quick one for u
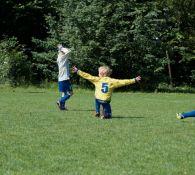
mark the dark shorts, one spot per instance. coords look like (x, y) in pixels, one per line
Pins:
(65, 86)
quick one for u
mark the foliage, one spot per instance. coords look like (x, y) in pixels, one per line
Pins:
(163, 87)
(44, 63)
(132, 37)
(135, 33)
(12, 59)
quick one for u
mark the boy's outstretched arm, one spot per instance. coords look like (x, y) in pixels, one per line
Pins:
(85, 75)
(119, 83)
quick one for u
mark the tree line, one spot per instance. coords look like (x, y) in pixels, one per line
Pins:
(151, 38)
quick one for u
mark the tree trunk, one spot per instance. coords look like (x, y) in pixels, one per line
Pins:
(169, 69)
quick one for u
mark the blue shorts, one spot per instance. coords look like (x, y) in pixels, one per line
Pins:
(65, 86)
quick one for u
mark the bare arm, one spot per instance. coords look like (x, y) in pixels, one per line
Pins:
(62, 49)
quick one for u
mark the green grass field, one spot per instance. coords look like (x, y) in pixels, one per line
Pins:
(143, 138)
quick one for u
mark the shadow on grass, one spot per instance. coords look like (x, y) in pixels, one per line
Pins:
(35, 92)
(184, 121)
(122, 117)
(81, 110)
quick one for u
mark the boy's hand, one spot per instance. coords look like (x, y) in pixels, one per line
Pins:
(59, 46)
(75, 69)
(138, 78)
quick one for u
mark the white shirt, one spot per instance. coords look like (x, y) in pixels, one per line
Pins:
(63, 64)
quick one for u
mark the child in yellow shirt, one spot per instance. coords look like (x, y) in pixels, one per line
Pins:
(104, 86)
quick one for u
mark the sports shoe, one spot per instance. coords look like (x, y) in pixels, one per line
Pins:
(108, 117)
(179, 116)
(105, 117)
(97, 114)
(60, 106)
(102, 117)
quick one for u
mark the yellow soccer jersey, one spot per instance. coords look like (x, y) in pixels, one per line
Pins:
(104, 86)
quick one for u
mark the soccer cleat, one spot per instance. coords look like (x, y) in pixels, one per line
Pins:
(60, 106)
(97, 114)
(102, 117)
(179, 116)
(106, 117)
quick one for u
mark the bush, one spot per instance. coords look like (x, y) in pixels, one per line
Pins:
(14, 66)
(163, 87)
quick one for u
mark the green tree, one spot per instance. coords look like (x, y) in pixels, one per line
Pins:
(181, 46)
(12, 59)
(151, 38)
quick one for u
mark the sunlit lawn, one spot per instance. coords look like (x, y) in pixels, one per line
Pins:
(143, 137)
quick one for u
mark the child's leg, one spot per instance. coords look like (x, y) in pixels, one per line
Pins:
(97, 107)
(188, 114)
(66, 91)
(107, 110)
(65, 96)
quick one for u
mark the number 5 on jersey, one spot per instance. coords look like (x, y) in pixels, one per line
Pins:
(104, 87)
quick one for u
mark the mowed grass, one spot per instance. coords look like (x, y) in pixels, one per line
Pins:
(144, 136)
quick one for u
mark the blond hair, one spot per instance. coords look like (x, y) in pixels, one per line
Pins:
(105, 70)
